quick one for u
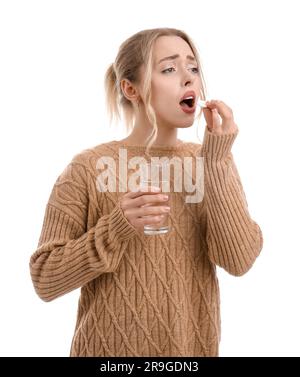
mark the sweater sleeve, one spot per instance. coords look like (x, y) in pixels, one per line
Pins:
(68, 256)
(234, 240)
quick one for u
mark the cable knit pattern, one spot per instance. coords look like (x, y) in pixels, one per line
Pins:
(145, 295)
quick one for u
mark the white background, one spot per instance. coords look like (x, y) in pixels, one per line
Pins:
(53, 58)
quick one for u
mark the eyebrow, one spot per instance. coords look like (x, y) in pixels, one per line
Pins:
(173, 57)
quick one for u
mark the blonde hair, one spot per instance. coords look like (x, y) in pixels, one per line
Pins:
(133, 53)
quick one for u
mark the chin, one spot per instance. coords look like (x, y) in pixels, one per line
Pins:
(173, 123)
(185, 125)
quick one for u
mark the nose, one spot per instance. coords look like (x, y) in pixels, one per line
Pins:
(187, 78)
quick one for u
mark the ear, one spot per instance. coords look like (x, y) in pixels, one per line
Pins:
(129, 90)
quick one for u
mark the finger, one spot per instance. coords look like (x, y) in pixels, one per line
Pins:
(224, 111)
(149, 211)
(148, 220)
(208, 117)
(216, 121)
(213, 120)
(142, 191)
(146, 200)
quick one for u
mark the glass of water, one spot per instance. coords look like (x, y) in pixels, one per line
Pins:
(157, 174)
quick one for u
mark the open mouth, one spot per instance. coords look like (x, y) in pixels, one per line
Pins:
(188, 103)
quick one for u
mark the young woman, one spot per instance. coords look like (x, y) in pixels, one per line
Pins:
(148, 295)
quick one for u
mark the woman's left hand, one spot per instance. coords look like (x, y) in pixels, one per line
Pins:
(212, 113)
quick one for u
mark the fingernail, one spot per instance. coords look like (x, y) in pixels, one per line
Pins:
(166, 197)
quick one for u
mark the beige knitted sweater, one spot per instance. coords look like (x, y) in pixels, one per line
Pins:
(145, 295)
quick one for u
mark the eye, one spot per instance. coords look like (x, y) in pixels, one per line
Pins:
(167, 70)
(194, 69)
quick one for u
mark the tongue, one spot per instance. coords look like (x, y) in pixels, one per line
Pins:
(184, 104)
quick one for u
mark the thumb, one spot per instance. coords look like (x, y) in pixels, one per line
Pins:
(208, 117)
(216, 121)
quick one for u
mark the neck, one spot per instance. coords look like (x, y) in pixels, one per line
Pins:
(142, 130)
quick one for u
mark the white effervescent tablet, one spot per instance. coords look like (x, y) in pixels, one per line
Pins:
(201, 103)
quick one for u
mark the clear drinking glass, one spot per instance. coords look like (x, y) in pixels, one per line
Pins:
(157, 174)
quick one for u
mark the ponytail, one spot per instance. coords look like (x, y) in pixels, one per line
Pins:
(112, 94)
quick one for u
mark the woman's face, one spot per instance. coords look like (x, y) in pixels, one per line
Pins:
(171, 79)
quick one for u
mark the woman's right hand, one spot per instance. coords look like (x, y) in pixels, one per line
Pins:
(135, 205)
